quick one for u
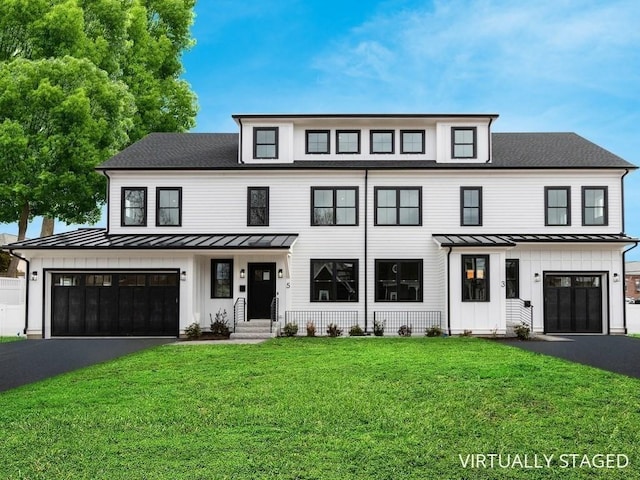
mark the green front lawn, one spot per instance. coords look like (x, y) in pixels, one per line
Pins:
(12, 339)
(320, 409)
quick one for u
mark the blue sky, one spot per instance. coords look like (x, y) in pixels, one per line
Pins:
(542, 66)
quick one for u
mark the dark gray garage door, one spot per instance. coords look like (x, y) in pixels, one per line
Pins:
(114, 304)
(572, 303)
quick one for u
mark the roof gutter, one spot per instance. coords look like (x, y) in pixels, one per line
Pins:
(26, 293)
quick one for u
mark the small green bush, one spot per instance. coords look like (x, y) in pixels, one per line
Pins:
(333, 330)
(356, 331)
(311, 329)
(434, 331)
(378, 328)
(404, 331)
(193, 331)
(220, 326)
(522, 332)
(290, 329)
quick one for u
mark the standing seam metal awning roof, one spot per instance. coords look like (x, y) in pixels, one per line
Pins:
(93, 238)
(511, 240)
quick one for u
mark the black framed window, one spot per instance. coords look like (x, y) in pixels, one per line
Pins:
(317, 141)
(475, 278)
(471, 206)
(512, 268)
(134, 207)
(557, 202)
(398, 280)
(382, 141)
(334, 280)
(265, 142)
(348, 141)
(463, 142)
(398, 206)
(412, 141)
(594, 206)
(334, 206)
(168, 206)
(221, 278)
(258, 206)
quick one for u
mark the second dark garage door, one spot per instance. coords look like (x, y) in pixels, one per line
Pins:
(572, 303)
(115, 304)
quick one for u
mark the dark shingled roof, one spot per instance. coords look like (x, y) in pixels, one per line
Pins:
(97, 238)
(219, 151)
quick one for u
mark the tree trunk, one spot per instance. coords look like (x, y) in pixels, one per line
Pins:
(47, 227)
(22, 232)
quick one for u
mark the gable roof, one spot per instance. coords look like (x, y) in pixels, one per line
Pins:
(219, 151)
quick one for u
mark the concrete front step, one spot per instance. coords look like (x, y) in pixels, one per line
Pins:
(254, 329)
(251, 335)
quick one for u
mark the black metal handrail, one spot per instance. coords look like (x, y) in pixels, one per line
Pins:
(275, 304)
(239, 310)
(321, 319)
(418, 321)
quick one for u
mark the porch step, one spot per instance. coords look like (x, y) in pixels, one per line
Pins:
(260, 328)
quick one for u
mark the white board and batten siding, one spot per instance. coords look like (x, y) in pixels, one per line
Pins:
(12, 306)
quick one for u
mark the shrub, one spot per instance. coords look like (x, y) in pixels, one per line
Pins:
(378, 328)
(466, 333)
(404, 331)
(356, 331)
(311, 329)
(290, 329)
(220, 326)
(522, 332)
(434, 331)
(193, 331)
(333, 330)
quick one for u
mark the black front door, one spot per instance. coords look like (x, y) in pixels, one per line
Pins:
(262, 289)
(573, 303)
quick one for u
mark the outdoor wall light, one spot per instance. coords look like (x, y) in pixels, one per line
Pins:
(616, 277)
(242, 273)
(34, 276)
(183, 276)
(280, 273)
(536, 277)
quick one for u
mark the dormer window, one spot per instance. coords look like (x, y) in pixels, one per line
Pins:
(382, 141)
(348, 141)
(265, 142)
(317, 141)
(463, 142)
(412, 141)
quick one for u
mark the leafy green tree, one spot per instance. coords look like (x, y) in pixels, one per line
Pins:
(136, 42)
(61, 118)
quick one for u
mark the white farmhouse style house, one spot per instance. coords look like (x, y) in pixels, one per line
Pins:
(407, 219)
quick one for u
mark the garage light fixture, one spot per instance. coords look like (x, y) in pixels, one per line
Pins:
(616, 277)
(183, 276)
(280, 273)
(536, 277)
(242, 273)
(34, 276)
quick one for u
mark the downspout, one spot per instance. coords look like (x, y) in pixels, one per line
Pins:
(624, 298)
(489, 139)
(108, 200)
(366, 249)
(26, 293)
(449, 291)
(240, 142)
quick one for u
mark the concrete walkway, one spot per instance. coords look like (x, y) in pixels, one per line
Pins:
(615, 353)
(29, 361)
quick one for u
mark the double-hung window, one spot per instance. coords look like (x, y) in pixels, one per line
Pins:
(471, 206)
(168, 206)
(258, 206)
(412, 141)
(398, 280)
(317, 141)
(334, 280)
(134, 207)
(348, 141)
(382, 141)
(463, 142)
(475, 278)
(512, 267)
(221, 278)
(334, 206)
(557, 205)
(265, 142)
(398, 206)
(594, 206)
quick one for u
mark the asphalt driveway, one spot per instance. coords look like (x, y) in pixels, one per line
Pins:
(29, 361)
(615, 353)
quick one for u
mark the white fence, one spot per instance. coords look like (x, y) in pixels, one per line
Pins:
(12, 305)
(633, 318)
